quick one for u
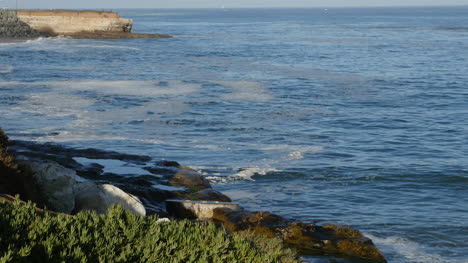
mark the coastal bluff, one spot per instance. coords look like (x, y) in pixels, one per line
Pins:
(71, 23)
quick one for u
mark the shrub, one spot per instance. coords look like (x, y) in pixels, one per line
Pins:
(27, 235)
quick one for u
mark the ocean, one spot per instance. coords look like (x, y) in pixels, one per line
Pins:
(352, 116)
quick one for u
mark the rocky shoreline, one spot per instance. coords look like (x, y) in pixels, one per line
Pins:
(54, 176)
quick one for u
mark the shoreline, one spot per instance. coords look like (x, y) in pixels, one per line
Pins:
(184, 194)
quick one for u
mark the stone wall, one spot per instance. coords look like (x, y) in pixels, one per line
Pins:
(12, 27)
(69, 21)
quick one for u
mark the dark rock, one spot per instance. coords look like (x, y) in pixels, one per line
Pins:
(165, 171)
(52, 151)
(208, 195)
(308, 238)
(168, 163)
(259, 223)
(189, 178)
(12, 27)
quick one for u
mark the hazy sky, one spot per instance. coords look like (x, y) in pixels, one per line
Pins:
(110, 4)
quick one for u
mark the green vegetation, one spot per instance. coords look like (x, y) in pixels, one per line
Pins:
(27, 235)
(6, 160)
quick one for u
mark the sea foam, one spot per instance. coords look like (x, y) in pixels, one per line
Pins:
(407, 250)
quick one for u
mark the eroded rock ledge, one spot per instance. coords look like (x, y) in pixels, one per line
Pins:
(72, 23)
(52, 175)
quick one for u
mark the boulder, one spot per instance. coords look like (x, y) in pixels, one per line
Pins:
(99, 198)
(189, 178)
(55, 184)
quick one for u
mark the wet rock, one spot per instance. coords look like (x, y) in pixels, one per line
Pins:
(60, 153)
(100, 198)
(308, 238)
(164, 171)
(55, 183)
(166, 163)
(208, 195)
(196, 209)
(258, 222)
(189, 178)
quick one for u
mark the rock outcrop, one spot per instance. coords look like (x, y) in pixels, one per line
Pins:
(69, 21)
(308, 238)
(190, 178)
(12, 27)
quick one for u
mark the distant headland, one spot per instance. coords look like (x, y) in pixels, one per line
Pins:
(71, 23)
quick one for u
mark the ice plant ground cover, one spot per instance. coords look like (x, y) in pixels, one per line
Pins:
(119, 236)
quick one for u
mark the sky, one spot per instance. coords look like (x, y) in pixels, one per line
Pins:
(111, 4)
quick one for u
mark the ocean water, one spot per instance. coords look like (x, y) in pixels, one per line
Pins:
(349, 116)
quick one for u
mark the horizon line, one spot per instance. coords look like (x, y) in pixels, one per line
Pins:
(242, 7)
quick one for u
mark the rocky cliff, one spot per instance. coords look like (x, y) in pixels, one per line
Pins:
(68, 21)
(11, 26)
(71, 23)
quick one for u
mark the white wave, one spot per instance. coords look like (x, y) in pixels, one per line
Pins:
(295, 152)
(247, 173)
(408, 250)
(301, 148)
(39, 39)
(5, 69)
(168, 188)
(51, 104)
(295, 156)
